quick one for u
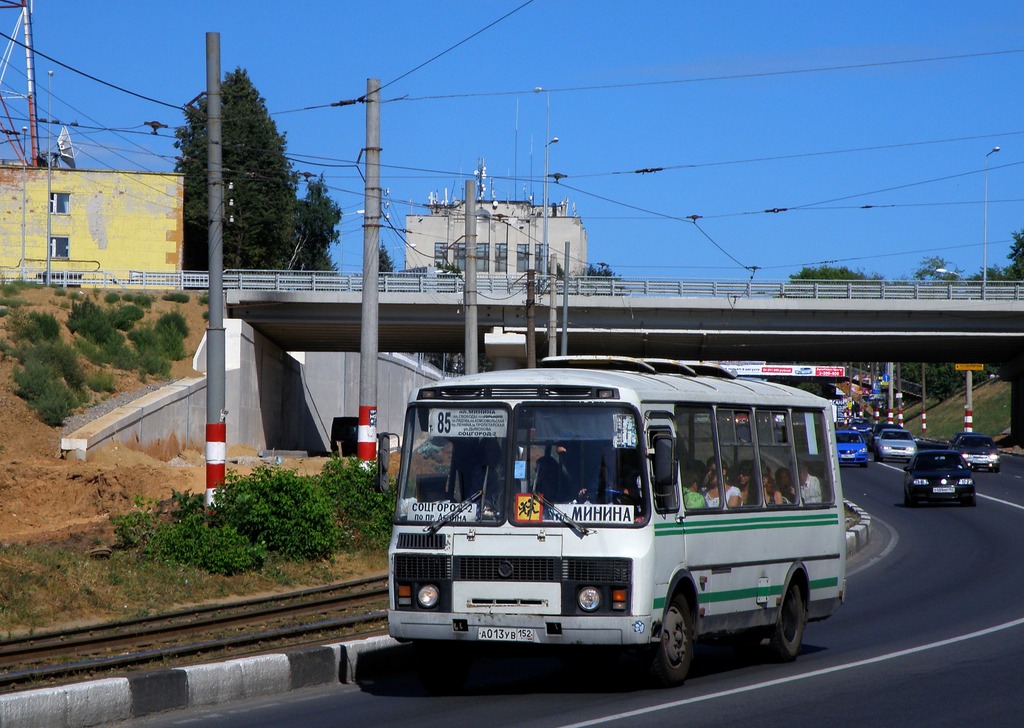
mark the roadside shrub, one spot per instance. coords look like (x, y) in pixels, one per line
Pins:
(44, 392)
(112, 297)
(34, 326)
(192, 539)
(57, 358)
(365, 515)
(135, 528)
(124, 317)
(3, 311)
(89, 320)
(289, 514)
(143, 300)
(176, 297)
(101, 381)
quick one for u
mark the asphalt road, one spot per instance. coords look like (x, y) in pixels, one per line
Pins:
(932, 634)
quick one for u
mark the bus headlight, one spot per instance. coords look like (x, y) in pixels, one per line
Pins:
(589, 599)
(427, 596)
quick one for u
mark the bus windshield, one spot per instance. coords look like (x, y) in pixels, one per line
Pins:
(581, 463)
(560, 465)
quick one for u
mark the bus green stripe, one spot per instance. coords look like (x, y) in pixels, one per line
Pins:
(748, 594)
(744, 524)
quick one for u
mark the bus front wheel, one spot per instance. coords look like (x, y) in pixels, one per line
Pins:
(789, 628)
(674, 652)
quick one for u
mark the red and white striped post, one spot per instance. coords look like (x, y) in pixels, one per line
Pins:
(216, 455)
(924, 422)
(366, 447)
(968, 420)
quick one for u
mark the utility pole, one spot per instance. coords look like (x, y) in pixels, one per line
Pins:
(924, 404)
(469, 293)
(366, 448)
(531, 328)
(552, 305)
(216, 415)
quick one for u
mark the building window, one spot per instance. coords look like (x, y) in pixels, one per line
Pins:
(501, 257)
(483, 257)
(522, 257)
(460, 256)
(60, 247)
(440, 255)
(60, 203)
(541, 253)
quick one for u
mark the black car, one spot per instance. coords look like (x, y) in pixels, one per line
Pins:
(938, 475)
(860, 424)
(875, 429)
(979, 450)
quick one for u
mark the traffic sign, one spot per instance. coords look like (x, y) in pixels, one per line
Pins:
(969, 367)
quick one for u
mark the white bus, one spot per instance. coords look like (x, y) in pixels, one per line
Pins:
(612, 503)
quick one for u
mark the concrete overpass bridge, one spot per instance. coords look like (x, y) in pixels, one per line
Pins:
(929, 321)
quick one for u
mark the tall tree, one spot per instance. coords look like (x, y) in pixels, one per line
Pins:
(830, 273)
(1015, 271)
(260, 185)
(316, 229)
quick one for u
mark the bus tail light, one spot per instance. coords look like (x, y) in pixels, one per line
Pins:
(619, 599)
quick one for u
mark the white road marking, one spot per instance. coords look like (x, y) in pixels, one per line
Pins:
(805, 676)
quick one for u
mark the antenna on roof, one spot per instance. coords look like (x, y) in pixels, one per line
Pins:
(65, 149)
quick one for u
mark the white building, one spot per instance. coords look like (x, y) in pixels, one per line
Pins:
(509, 235)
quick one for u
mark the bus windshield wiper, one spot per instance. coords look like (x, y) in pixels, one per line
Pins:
(449, 517)
(563, 516)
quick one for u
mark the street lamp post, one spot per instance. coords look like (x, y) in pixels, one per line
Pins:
(49, 171)
(544, 237)
(24, 196)
(984, 243)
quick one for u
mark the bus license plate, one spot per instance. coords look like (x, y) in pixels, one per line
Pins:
(505, 634)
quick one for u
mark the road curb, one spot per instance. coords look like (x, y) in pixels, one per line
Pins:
(110, 700)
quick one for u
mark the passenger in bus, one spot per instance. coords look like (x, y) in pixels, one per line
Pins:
(785, 486)
(711, 486)
(772, 496)
(692, 497)
(547, 482)
(746, 486)
(810, 486)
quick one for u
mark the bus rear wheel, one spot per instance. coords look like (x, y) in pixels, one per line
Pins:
(789, 628)
(671, 660)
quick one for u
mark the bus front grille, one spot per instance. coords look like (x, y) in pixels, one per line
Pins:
(506, 568)
(422, 566)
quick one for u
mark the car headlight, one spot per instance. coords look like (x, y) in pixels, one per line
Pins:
(965, 481)
(920, 481)
(589, 598)
(427, 596)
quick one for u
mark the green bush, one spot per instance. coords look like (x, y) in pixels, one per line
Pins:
(101, 381)
(136, 528)
(48, 395)
(216, 549)
(90, 321)
(365, 514)
(112, 297)
(124, 317)
(143, 300)
(34, 326)
(289, 514)
(58, 358)
(177, 297)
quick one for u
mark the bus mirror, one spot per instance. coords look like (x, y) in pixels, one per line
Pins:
(383, 480)
(665, 473)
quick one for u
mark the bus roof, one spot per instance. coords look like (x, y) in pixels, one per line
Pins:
(646, 382)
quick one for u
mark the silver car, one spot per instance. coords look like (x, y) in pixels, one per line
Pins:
(894, 444)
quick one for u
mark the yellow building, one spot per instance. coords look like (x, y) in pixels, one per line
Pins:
(102, 223)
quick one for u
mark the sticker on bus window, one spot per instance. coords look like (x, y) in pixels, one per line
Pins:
(431, 511)
(625, 430)
(528, 508)
(468, 422)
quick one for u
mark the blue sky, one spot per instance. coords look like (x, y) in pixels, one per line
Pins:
(868, 122)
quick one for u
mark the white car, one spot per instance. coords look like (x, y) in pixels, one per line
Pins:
(894, 444)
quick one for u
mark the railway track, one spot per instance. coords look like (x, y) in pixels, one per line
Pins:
(254, 626)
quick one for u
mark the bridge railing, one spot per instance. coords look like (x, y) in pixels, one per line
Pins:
(509, 285)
